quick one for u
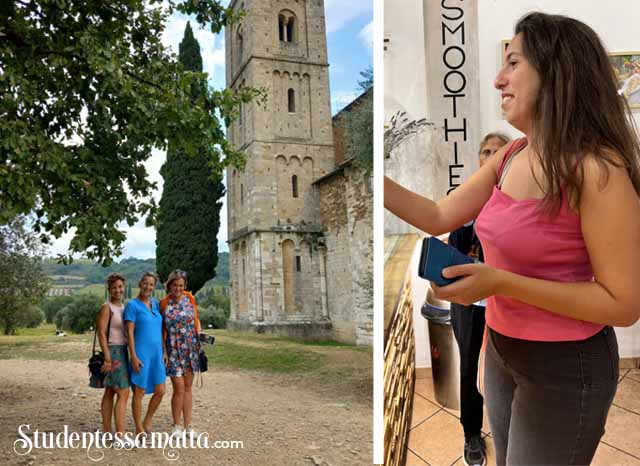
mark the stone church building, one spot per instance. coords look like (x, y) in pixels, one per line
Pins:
(299, 215)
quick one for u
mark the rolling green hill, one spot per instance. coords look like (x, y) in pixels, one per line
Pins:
(85, 276)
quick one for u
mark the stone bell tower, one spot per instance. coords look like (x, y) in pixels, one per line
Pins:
(278, 256)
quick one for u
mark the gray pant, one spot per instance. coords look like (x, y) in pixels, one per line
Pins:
(548, 401)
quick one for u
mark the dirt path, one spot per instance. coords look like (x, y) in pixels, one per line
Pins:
(280, 419)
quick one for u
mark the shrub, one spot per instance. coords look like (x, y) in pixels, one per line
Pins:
(59, 317)
(80, 314)
(216, 300)
(215, 316)
(31, 317)
(52, 305)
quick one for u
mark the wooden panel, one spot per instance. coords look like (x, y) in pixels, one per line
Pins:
(398, 380)
(398, 250)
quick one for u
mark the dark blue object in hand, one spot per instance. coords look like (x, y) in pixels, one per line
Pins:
(435, 257)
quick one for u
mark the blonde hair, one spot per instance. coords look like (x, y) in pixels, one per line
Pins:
(177, 274)
(148, 274)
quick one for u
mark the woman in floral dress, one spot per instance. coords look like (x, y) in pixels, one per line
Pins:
(181, 329)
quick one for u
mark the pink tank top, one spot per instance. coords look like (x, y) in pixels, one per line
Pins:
(516, 237)
(117, 331)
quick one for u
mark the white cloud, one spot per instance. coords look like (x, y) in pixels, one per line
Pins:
(366, 35)
(341, 99)
(339, 13)
(140, 242)
(61, 245)
(211, 45)
(153, 166)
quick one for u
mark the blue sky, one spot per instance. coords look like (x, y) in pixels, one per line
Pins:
(349, 27)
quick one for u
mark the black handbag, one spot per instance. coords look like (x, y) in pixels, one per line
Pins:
(96, 361)
(202, 357)
(203, 361)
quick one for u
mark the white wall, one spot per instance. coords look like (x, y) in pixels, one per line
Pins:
(615, 21)
(404, 60)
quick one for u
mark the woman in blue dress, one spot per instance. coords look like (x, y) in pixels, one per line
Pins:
(144, 329)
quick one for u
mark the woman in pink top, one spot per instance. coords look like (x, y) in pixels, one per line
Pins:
(113, 342)
(558, 217)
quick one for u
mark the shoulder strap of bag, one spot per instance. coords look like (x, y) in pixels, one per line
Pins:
(200, 382)
(195, 311)
(95, 332)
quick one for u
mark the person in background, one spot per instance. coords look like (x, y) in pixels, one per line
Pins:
(558, 215)
(180, 336)
(113, 342)
(144, 329)
(468, 327)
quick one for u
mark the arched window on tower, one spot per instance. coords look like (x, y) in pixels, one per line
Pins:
(290, 28)
(294, 185)
(291, 99)
(282, 27)
(287, 26)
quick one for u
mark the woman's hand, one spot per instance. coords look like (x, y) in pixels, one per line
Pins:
(479, 281)
(165, 358)
(106, 367)
(136, 364)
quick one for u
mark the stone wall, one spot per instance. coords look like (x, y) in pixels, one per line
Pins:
(261, 195)
(278, 276)
(346, 205)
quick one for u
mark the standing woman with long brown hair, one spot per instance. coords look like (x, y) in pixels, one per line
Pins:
(558, 217)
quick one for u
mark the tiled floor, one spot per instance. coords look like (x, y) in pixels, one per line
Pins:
(436, 437)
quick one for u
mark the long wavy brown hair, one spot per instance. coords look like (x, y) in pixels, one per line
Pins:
(578, 110)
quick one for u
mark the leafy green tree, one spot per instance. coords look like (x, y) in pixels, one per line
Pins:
(360, 125)
(32, 316)
(80, 314)
(59, 317)
(87, 90)
(189, 215)
(51, 305)
(367, 79)
(24, 283)
(221, 301)
(214, 316)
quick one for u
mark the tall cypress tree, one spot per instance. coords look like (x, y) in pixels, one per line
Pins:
(189, 212)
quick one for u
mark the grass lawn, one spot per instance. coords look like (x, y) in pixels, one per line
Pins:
(233, 350)
(43, 343)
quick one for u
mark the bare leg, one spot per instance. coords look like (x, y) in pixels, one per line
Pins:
(136, 407)
(158, 393)
(106, 407)
(121, 409)
(177, 399)
(187, 404)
